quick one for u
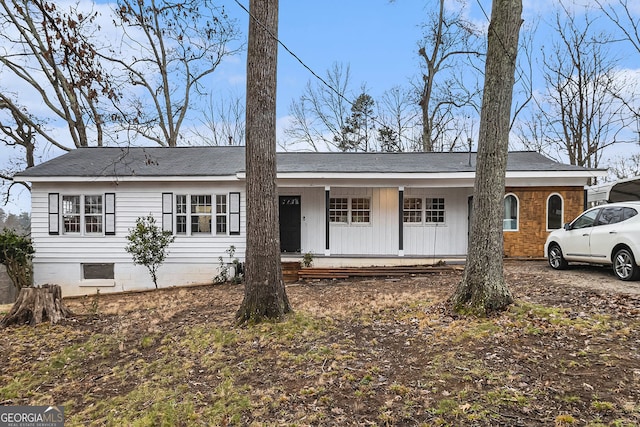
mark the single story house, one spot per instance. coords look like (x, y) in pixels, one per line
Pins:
(344, 208)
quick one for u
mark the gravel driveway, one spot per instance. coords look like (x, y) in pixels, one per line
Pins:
(586, 276)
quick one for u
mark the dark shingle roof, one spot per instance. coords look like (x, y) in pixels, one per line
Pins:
(227, 161)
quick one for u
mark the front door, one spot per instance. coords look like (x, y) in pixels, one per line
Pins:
(290, 224)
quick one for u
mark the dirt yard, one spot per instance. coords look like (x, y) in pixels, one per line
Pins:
(356, 352)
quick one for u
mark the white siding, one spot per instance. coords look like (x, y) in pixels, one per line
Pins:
(448, 239)
(191, 259)
(379, 236)
(195, 259)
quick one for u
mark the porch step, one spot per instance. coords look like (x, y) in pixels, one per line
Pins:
(290, 271)
(346, 272)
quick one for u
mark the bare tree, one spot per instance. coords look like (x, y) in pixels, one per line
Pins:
(450, 44)
(223, 122)
(398, 119)
(53, 83)
(483, 289)
(582, 112)
(319, 115)
(176, 45)
(18, 132)
(264, 292)
(52, 55)
(627, 23)
(624, 166)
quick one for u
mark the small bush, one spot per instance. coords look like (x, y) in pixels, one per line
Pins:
(148, 245)
(16, 253)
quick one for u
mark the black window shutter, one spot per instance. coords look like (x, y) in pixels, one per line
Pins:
(167, 212)
(110, 214)
(54, 213)
(234, 213)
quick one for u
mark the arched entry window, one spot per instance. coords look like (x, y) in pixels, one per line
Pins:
(510, 220)
(554, 212)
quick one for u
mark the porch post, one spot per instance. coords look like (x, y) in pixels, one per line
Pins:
(327, 192)
(400, 221)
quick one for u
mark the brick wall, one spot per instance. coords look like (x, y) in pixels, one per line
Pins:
(532, 232)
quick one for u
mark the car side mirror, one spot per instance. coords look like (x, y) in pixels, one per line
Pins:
(567, 226)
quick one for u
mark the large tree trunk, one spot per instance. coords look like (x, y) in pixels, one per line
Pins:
(264, 291)
(37, 305)
(483, 289)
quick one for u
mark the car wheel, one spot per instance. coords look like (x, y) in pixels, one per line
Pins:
(556, 260)
(624, 265)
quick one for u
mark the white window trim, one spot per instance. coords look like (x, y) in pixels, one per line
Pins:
(511, 230)
(433, 223)
(547, 211)
(423, 222)
(349, 222)
(415, 223)
(83, 215)
(213, 214)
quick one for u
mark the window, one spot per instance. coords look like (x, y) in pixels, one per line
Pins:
(221, 214)
(97, 271)
(510, 219)
(200, 214)
(412, 210)
(88, 214)
(181, 214)
(629, 213)
(355, 210)
(71, 214)
(93, 214)
(611, 216)
(586, 219)
(554, 212)
(434, 210)
(339, 209)
(360, 210)
(195, 214)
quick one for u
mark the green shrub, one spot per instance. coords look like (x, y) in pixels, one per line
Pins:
(16, 253)
(148, 245)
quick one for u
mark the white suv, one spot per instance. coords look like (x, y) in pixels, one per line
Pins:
(606, 234)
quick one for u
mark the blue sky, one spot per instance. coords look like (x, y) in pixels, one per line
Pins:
(377, 39)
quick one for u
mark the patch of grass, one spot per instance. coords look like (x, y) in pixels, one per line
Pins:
(414, 363)
(505, 396)
(571, 399)
(602, 406)
(399, 389)
(563, 420)
(147, 341)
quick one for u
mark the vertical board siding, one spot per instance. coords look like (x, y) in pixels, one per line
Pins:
(312, 217)
(380, 236)
(438, 239)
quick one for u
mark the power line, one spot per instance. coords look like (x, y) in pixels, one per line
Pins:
(290, 52)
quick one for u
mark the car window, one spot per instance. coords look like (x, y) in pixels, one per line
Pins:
(610, 216)
(629, 213)
(586, 219)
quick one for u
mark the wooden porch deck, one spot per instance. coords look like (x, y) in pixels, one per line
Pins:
(292, 271)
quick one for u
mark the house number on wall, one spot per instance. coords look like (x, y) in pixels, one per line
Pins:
(293, 201)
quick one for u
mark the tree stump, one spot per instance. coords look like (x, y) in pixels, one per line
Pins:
(36, 305)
